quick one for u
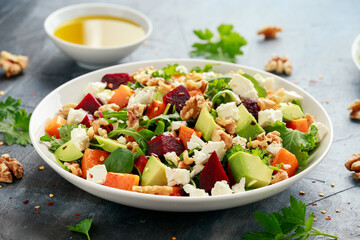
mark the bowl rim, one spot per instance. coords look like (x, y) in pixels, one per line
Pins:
(108, 5)
(159, 198)
(355, 53)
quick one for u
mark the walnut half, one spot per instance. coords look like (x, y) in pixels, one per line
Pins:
(10, 165)
(355, 109)
(353, 164)
(193, 107)
(269, 31)
(279, 65)
(13, 64)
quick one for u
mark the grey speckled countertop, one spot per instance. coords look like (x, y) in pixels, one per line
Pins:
(317, 37)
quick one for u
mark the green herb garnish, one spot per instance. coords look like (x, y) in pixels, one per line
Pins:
(82, 227)
(120, 161)
(65, 136)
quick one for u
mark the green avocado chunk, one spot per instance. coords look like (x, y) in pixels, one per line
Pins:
(154, 173)
(206, 123)
(68, 152)
(246, 126)
(249, 166)
(109, 145)
(291, 112)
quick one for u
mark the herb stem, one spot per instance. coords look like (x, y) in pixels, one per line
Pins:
(317, 232)
(167, 108)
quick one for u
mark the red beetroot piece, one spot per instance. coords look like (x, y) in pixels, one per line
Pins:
(89, 104)
(87, 120)
(178, 97)
(252, 106)
(163, 144)
(140, 162)
(212, 172)
(231, 177)
(113, 81)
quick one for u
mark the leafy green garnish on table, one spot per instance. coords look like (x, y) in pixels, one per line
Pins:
(225, 47)
(289, 223)
(14, 122)
(82, 227)
(298, 143)
(65, 136)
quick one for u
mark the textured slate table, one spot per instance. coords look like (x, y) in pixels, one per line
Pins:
(317, 37)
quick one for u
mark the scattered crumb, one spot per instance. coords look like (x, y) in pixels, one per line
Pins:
(51, 233)
(332, 185)
(49, 204)
(26, 202)
(313, 181)
(33, 94)
(10, 197)
(338, 211)
(315, 219)
(37, 207)
(51, 195)
(323, 211)
(2, 93)
(328, 218)
(321, 194)
(173, 238)
(38, 212)
(54, 185)
(348, 203)
(320, 76)
(146, 43)
(312, 81)
(294, 81)
(41, 168)
(314, 204)
(1, 143)
(0, 186)
(269, 32)
(77, 214)
(327, 100)
(302, 192)
(157, 53)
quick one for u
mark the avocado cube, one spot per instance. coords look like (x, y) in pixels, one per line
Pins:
(206, 123)
(68, 152)
(109, 145)
(246, 126)
(154, 173)
(291, 112)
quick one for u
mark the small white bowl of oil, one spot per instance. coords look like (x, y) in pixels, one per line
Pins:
(96, 35)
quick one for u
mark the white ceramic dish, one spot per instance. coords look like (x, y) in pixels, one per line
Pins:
(92, 57)
(70, 92)
(355, 51)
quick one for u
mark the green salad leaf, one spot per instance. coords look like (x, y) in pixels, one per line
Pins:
(297, 102)
(120, 161)
(217, 85)
(167, 72)
(141, 137)
(82, 227)
(225, 97)
(260, 89)
(298, 143)
(65, 136)
(207, 68)
(226, 48)
(160, 128)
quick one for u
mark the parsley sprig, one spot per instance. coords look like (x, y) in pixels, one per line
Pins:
(289, 223)
(14, 122)
(225, 48)
(82, 227)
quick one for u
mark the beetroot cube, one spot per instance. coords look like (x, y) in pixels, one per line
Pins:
(89, 104)
(163, 144)
(113, 81)
(212, 172)
(178, 97)
(87, 120)
(251, 105)
(140, 162)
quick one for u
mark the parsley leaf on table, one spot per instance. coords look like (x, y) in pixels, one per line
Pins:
(82, 227)
(289, 223)
(14, 122)
(226, 48)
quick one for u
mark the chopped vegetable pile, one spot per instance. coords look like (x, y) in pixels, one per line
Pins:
(181, 132)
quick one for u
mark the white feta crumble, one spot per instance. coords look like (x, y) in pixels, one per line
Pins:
(167, 134)
(243, 87)
(196, 170)
(122, 140)
(195, 142)
(211, 146)
(221, 188)
(208, 75)
(286, 166)
(95, 87)
(292, 95)
(195, 192)
(181, 69)
(274, 148)
(239, 141)
(322, 130)
(141, 96)
(267, 83)
(269, 117)
(76, 116)
(177, 124)
(228, 110)
(80, 138)
(97, 174)
(200, 157)
(239, 187)
(172, 157)
(104, 96)
(177, 176)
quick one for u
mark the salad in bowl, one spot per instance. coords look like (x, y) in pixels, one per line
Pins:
(184, 132)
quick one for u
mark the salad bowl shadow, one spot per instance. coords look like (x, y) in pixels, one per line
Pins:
(69, 92)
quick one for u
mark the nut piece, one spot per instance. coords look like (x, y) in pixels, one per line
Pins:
(111, 106)
(353, 164)
(5, 174)
(196, 85)
(10, 165)
(265, 103)
(279, 65)
(263, 141)
(64, 111)
(157, 190)
(186, 159)
(219, 135)
(228, 123)
(355, 109)
(193, 107)
(13, 64)
(277, 96)
(279, 176)
(74, 168)
(134, 113)
(132, 146)
(183, 165)
(309, 118)
(270, 31)
(96, 128)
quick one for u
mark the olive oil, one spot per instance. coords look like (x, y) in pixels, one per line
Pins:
(100, 31)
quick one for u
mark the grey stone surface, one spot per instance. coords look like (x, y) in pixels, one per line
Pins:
(317, 37)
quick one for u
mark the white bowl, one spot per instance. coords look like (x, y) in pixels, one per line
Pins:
(69, 92)
(355, 51)
(95, 57)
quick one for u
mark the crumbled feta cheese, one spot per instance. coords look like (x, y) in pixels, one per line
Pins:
(219, 147)
(181, 69)
(95, 87)
(208, 75)
(196, 169)
(239, 141)
(172, 157)
(221, 188)
(122, 140)
(177, 124)
(195, 142)
(292, 95)
(97, 174)
(322, 130)
(286, 166)
(177, 176)
(200, 157)
(141, 96)
(267, 83)
(195, 192)
(80, 138)
(228, 110)
(75, 116)
(274, 148)
(243, 87)
(239, 187)
(269, 117)
(104, 96)
(168, 134)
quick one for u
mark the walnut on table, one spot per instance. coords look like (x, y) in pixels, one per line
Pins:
(269, 32)
(10, 165)
(355, 109)
(193, 107)
(353, 164)
(279, 65)
(13, 64)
